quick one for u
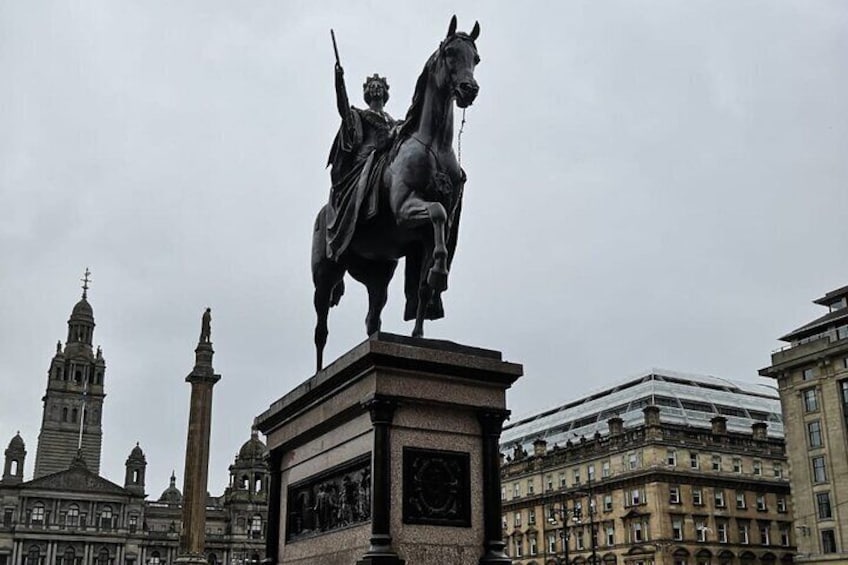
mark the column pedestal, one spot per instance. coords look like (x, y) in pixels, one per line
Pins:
(390, 456)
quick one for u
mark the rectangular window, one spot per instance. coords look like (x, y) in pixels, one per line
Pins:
(810, 400)
(761, 502)
(740, 499)
(674, 495)
(576, 477)
(578, 539)
(700, 530)
(814, 435)
(843, 387)
(633, 461)
(503, 493)
(590, 472)
(828, 541)
(530, 489)
(605, 469)
(549, 482)
(531, 516)
(721, 528)
(697, 496)
(743, 533)
(737, 465)
(764, 534)
(562, 480)
(784, 536)
(808, 374)
(8, 513)
(610, 535)
(533, 545)
(716, 462)
(778, 471)
(671, 457)
(518, 547)
(694, 461)
(607, 503)
(516, 519)
(677, 529)
(635, 497)
(823, 504)
(758, 467)
(516, 490)
(719, 498)
(781, 503)
(552, 543)
(637, 532)
(819, 471)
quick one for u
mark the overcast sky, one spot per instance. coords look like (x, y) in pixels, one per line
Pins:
(652, 183)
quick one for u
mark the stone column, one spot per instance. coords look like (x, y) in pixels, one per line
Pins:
(380, 551)
(196, 474)
(272, 536)
(491, 423)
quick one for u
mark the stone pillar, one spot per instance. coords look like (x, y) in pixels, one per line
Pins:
(491, 423)
(196, 474)
(272, 536)
(380, 551)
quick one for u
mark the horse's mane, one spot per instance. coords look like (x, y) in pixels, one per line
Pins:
(413, 114)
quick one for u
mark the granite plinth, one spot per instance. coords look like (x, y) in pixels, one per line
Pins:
(388, 398)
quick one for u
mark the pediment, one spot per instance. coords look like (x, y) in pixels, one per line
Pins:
(76, 479)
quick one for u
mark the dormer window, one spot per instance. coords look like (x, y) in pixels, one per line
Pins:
(839, 304)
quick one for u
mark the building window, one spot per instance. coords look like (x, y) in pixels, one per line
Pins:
(810, 399)
(155, 558)
(549, 483)
(677, 529)
(716, 462)
(576, 476)
(8, 516)
(743, 533)
(843, 387)
(814, 436)
(635, 497)
(516, 490)
(578, 539)
(72, 517)
(740, 499)
(607, 503)
(722, 531)
(33, 556)
(819, 470)
(674, 495)
(737, 465)
(823, 504)
(778, 471)
(610, 534)
(719, 498)
(761, 502)
(37, 518)
(552, 543)
(784, 536)
(671, 457)
(700, 530)
(503, 523)
(590, 472)
(503, 493)
(828, 541)
(530, 489)
(132, 523)
(516, 520)
(256, 527)
(781, 503)
(562, 480)
(697, 496)
(518, 547)
(103, 557)
(637, 532)
(106, 518)
(758, 467)
(764, 534)
(694, 462)
(808, 374)
(605, 469)
(633, 461)
(531, 516)
(532, 545)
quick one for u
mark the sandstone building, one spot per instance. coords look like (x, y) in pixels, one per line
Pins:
(812, 377)
(665, 468)
(67, 514)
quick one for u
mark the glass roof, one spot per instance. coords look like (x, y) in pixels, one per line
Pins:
(683, 399)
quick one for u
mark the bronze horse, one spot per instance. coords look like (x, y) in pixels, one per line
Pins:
(420, 199)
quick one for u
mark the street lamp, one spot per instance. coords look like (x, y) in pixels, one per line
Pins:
(562, 513)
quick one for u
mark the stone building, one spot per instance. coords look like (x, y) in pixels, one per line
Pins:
(664, 468)
(67, 514)
(812, 376)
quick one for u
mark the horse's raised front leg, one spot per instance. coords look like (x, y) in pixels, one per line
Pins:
(415, 212)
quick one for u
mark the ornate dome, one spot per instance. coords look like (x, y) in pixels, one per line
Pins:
(83, 309)
(136, 455)
(253, 448)
(172, 494)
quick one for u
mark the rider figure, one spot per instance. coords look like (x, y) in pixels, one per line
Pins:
(362, 140)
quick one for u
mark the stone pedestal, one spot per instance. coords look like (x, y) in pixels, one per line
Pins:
(390, 456)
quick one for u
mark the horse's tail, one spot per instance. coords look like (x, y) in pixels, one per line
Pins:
(324, 269)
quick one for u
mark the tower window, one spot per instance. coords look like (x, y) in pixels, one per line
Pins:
(77, 376)
(135, 476)
(65, 414)
(74, 415)
(72, 517)
(14, 467)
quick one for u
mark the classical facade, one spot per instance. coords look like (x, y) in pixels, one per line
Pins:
(812, 376)
(665, 468)
(67, 514)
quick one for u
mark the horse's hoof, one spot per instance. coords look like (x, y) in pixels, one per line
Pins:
(437, 280)
(418, 332)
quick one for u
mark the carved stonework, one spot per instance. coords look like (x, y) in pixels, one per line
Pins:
(80, 480)
(337, 498)
(436, 487)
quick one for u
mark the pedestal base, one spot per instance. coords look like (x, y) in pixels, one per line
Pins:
(390, 456)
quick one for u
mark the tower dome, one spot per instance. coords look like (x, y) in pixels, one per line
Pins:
(253, 448)
(172, 494)
(13, 469)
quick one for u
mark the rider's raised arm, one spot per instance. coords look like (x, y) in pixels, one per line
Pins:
(342, 102)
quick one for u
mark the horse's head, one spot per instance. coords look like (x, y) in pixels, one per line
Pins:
(459, 55)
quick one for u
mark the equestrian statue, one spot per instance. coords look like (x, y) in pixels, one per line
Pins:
(396, 191)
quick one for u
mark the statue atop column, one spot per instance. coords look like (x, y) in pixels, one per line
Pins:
(206, 327)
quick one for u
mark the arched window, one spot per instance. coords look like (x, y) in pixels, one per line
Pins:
(212, 559)
(155, 558)
(37, 518)
(245, 482)
(74, 415)
(65, 414)
(77, 376)
(103, 557)
(135, 476)
(257, 483)
(72, 517)
(14, 467)
(33, 556)
(69, 558)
